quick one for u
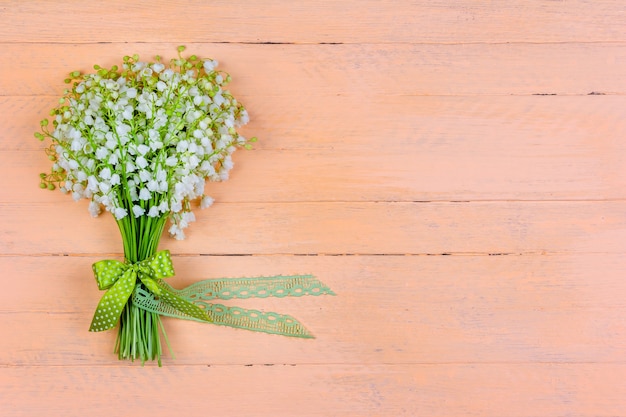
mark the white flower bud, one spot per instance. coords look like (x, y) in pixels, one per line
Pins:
(144, 175)
(105, 187)
(105, 173)
(176, 206)
(143, 149)
(92, 184)
(102, 153)
(209, 65)
(128, 113)
(144, 194)
(114, 159)
(119, 213)
(94, 209)
(206, 202)
(152, 185)
(161, 175)
(157, 67)
(177, 232)
(182, 146)
(141, 162)
(138, 211)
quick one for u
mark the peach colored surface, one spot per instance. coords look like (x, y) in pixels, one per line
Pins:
(454, 170)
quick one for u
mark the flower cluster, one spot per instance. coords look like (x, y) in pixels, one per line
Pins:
(141, 140)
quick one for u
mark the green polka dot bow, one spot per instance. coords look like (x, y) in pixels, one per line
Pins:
(120, 280)
(191, 303)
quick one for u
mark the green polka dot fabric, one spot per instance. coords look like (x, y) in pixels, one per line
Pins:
(161, 265)
(120, 280)
(181, 304)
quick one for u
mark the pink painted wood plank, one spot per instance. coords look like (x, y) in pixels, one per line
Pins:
(506, 304)
(516, 390)
(299, 72)
(390, 309)
(336, 228)
(313, 22)
(422, 148)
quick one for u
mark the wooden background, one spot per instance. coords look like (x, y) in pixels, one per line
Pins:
(454, 170)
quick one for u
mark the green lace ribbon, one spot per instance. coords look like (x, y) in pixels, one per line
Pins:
(191, 303)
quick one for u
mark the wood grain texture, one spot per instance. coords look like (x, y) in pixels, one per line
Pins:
(358, 70)
(338, 228)
(453, 170)
(401, 390)
(369, 21)
(461, 309)
(407, 148)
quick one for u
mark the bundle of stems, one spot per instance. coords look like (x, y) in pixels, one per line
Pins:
(139, 331)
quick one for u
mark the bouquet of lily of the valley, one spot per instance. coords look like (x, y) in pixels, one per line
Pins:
(140, 141)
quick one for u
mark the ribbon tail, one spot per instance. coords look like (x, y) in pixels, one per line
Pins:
(240, 318)
(110, 307)
(255, 320)
(170, 296)
(255, 287)
(147, 301)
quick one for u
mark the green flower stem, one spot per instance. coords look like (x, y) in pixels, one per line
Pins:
(139, 333)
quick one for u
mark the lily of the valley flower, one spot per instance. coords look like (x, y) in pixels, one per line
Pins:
(143, 139)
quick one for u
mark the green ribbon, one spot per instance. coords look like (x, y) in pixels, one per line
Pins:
(240, 288)
(120, 280)
(191, 303)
